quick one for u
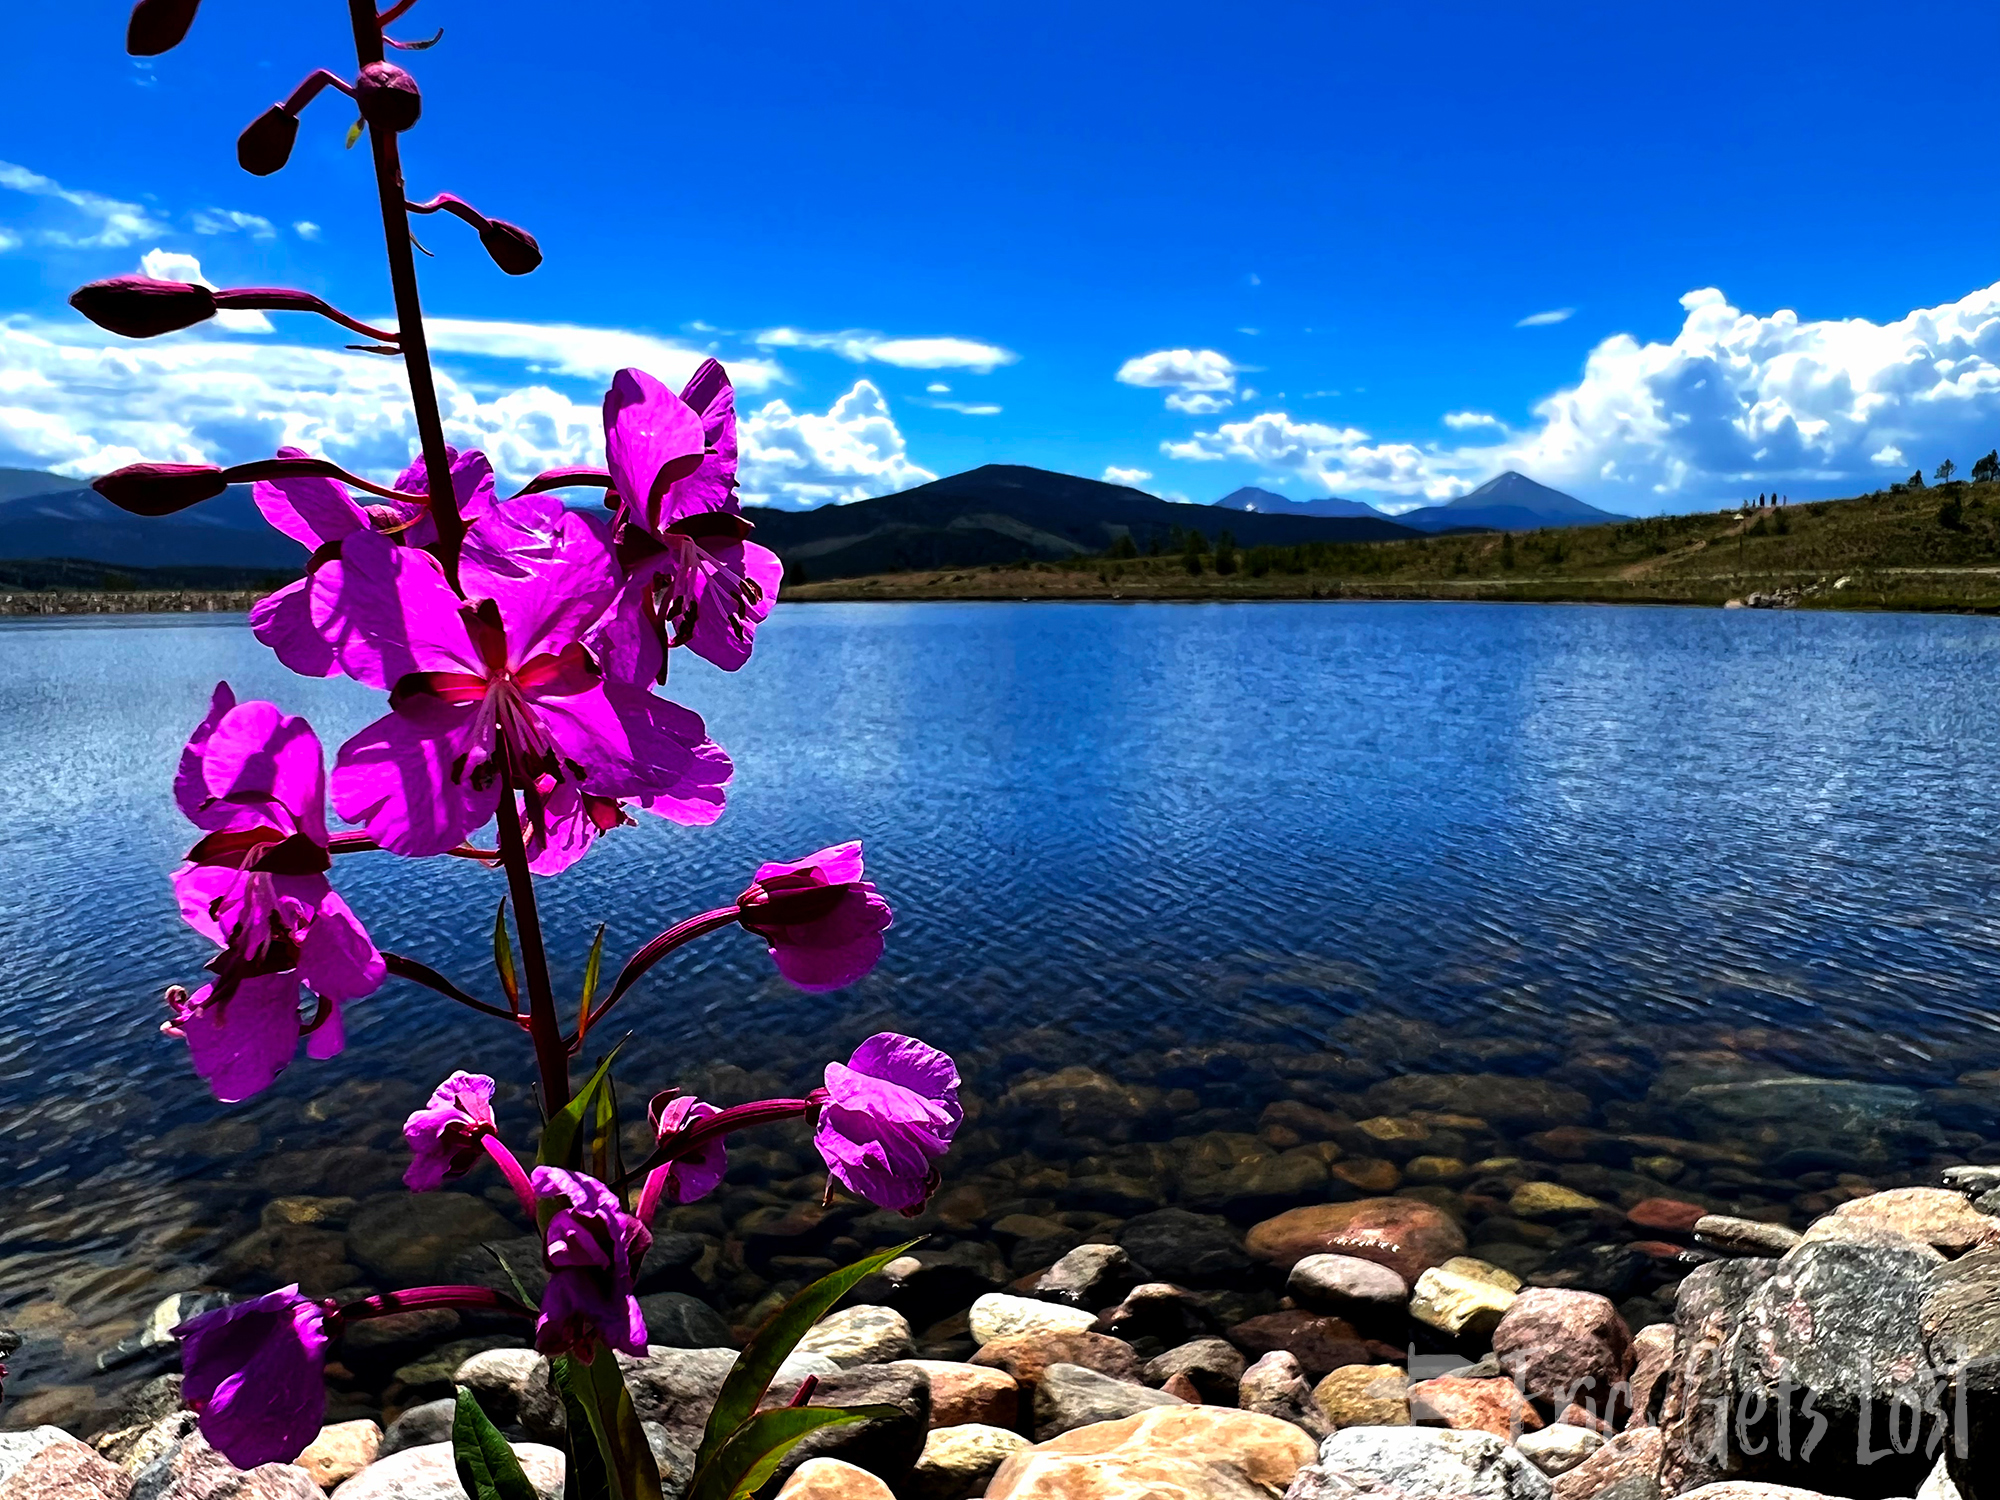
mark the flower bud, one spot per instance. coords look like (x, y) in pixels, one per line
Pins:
(141, 308)
(158, 26)
(513, 249)
(160, 489)
(266, 146)
(388, 97)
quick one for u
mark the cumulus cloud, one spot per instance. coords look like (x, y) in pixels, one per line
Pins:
(305, 229)
(105, 223)
(1180, 370)
(171, 265)
(853, 451)
(1464, 421)
(1198, 403)
(565, 349)
(909, 354)
(1544, 319)
(1333, 458)
(1115, 475)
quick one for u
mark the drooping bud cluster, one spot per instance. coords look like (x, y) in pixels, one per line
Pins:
(388, 97)
(140, 307)
(158, 26)
(266, 145)
(513, 249)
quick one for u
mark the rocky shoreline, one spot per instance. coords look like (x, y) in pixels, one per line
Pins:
(129, 602)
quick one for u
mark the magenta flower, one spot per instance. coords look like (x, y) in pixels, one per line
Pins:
(256, 886)
(691, 577)
(593, 1249)
(824, 923)
(319, 514)
(889, 1114)
(570, 822)
(685, 1178)
(445, 1134)
(502, 682)
(254, 1374)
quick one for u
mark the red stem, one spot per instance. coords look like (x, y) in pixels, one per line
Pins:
(417, 1298)
(544, 1026)
(430, 979)
(409, 306)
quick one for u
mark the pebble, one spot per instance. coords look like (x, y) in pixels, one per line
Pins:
(1321, 1343)
(340, 1452)
(1000, 1316)
(1540, 1202)
(1559, 1448)
(1665, 1216)
(959, 1460)
(1418, 1461)
(963, 1394)
(1025, 1355)
(1091, 1277)
(1565, 1346)
(1208, 1451)
(1348, 1286)
(1940, 1218)
(1404, 1234)
(861, 1335)
(1365, 1396)
(1478, 1404)
(830, 1479)
(1459, 1305)
(1744, 1236)
(1069, 1396)
(1212, 1366)
(1277, 1387)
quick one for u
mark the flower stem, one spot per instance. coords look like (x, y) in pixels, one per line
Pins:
(551, 1055)
(409, 307)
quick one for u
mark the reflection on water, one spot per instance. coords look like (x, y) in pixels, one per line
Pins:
(1454, 839)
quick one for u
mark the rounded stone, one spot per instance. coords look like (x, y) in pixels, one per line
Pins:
(1365, 1396)
(959, 1461)
(862, 1335)
(1346, 1284)
(1558, 1449)
(340, 1452)
(1068, 1397)
(1210, 1451)
(1025, 1355)
(1665, 1215)
(1942, 1219)
(1540, 1202)
(1565, 1346)
(832, 1479)
(999, 1316)
(1459, 1305)
(1407, 1236)
(1473, 1404)
(1419, 1461)
(967, 1394)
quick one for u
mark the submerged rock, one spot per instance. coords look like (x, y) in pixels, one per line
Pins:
(1407, 1236)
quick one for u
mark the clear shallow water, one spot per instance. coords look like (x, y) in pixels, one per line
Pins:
(1105, 830)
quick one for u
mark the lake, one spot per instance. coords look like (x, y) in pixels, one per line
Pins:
(1157, 870)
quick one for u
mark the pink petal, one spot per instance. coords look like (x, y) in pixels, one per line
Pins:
(650, 434)
(387, 611)
(267, 767)
(840, 865)
(550, 569)
(629, 742)
(242, 1046)
(909, 1063)
(190, 790)
(712, 486)
(312, 512)
(724, 628)
(396, 779)
(471, 487)
(337, 960)
(569, 832)
(283, 621)
(203, 893)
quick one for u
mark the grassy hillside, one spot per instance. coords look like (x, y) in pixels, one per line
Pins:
(1936, 548)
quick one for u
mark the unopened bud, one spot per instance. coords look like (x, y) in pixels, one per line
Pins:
(141, 308)
(513, 249)
(388, 97)
(266, 146)
(158, 26)
(160, 489)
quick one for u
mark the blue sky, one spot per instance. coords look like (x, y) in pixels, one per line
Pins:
(1307, 235)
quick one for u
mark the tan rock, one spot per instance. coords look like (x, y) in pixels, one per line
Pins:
(1209, 1452)
(340, 1452)
(1371, 1174)
(1178, 1384)
(1457, 1304)
(831, 1479)
(963, 1393)
(1542, 1201)
(1652, 1358)
(1633, 1454)
(1482, 1270)
(1403, 1234)
(1000, 1316)
(958, 1462)
(1365, 1396)
(1942, 1219)
(1025, 1356)
(1470, 1404)
(430, 1472)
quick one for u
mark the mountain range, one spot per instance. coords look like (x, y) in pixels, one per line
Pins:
(999, 513)
(1512, 502)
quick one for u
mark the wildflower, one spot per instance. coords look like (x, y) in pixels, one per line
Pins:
(693, 1175)
(445, 1134)
(256, 885)
(593, 1249)
(888, 1115)
(823, 922)
(254, 1374)
(497, 685)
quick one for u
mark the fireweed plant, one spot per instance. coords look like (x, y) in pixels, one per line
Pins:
(520, 645)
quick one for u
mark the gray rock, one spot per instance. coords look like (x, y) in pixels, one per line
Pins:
(137, 1415)
(861, 1336)
(419, 1427)
(1745, 1236)
(1275, 1386)
(1974, 1182)
(429, 1377)
(1366, 1294)
(1960, 1323)
(1158, 1310)
(677, 1387)
(1698, 1404)
(430, 1473)
(1418, 1463)
(958, 1462)
(1805, 1124)
(1092, 1277)
(1558, 1448)
(673, 1458)
(676, 1320)
(191, 1470)
(1069, 1396)
(16, 1448)
(1214, 1366)
(1988, 1202)
(1833, 1338)
(514, 1389)
(1188, 1248)
(885, 1446)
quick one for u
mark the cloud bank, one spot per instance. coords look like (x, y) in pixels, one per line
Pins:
(906, 354)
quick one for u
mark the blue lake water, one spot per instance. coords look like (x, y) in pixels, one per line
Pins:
(1105, 830)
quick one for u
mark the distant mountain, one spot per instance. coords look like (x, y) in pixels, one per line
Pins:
(1512, 502)
(1001, 513)
(47, 516)
(1264, 502)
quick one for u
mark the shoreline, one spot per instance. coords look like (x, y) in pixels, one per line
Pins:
(24, 603)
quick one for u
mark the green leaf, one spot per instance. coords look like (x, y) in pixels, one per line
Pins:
(752, 1374)
(485, 1460)
(590, 968)
(520, 1292)
(604, 1151)
(503, 956)
(760, 1445)
(622, 1465)
(353, 134)
(560, 1144)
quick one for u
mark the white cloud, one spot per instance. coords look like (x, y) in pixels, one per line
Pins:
(82, 402)
(1889, 456)
(1465, 421)
(565, 349)
(968, 408)
(1331, 458)
(1198, 403)
(938, 388)
(172, 265)
(908, 354)
(112, 222)
(305, 229)
(229, 221)
(1180, 370)
(1115, 475)
(1253, 332)
(1544, 319)
(852, 452)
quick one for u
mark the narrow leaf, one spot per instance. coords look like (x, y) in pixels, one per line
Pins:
(503, 957)
(597, 1395)
(752, 1374)
(588, 1478)
(760, 1445)
(485, 1460)
(560, 1146)
(590, 968)
(604, 1163)
(353, 134)
(520, 1292)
